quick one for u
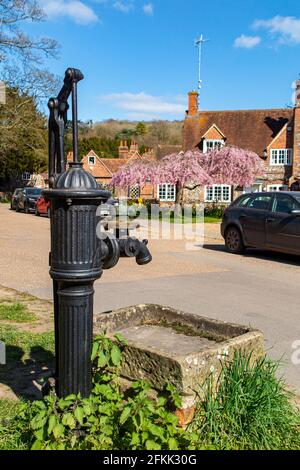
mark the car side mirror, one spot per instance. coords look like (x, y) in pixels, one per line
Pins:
(296, 212)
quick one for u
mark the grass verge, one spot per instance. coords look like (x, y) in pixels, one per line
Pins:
(250, 410)
(16, 312)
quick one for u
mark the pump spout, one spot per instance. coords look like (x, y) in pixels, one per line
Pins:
(144, 256)
(132, 247)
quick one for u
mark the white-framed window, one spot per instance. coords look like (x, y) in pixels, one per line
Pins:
(91, 160)
(166, 192)
(212, 144)
(218, 193)
(255, 188)
(26, 176)
(134, 192)
(281, 157)
(277, 187)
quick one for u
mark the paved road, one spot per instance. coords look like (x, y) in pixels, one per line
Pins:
(260, 288)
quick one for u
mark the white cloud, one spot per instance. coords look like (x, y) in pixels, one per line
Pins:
(247, 42)
(141, 105)
(286, 28)
(148, 9)
(123, 5)
(73, 9)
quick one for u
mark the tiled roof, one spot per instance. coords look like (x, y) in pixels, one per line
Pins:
(113, 164)
(249, 129)
(166, 149)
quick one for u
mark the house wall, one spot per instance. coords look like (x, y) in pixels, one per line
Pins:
(296, 153)
(98, 170)
(279, 174)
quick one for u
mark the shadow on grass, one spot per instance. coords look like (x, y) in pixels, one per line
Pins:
(25, 373)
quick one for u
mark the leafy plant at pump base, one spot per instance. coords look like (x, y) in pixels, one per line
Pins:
(110, 418)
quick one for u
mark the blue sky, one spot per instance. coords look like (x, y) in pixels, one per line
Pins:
(139, 59)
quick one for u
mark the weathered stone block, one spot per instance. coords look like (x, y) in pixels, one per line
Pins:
(166, 345)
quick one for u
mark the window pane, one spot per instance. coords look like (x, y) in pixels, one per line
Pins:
(260, 202)
(134, 192)
(226, 193)
(284, 204)
(244, 201)
(209, 193)
(167, 192)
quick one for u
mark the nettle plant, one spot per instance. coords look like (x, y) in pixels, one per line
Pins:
(111, 418)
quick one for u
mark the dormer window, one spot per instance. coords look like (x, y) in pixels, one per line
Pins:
(91, 161)
(212, 144)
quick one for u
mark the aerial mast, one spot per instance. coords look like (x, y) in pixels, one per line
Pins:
(198, 43)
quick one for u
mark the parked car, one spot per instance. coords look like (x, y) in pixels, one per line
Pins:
(42, 206)
(269, 220)
(14, 198)
(27, 198)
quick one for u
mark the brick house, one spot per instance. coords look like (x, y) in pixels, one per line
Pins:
(274, 134)
(103, 169)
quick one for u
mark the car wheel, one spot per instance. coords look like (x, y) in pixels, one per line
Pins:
(26, 209)
(233, 240)
(17, 208)
(37, 212)
(48, 213)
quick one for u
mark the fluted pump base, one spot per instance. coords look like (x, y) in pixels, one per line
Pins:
(75, 332)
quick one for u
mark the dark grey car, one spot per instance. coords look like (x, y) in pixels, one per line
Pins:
(14, 198)
(27, 199)
(269, 220)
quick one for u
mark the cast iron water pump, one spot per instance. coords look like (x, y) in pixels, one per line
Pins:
(77, 256)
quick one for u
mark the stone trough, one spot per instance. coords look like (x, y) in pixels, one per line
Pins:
(167, 345)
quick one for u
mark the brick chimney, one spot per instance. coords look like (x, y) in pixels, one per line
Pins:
(296, 149)
(193, 103)
(134, 147)
(123, 149)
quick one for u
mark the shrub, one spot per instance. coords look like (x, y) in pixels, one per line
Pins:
(214, 210)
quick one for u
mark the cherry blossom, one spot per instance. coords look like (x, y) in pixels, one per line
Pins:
(228, 165)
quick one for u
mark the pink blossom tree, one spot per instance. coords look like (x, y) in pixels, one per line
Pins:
(228, 165)
(233, 165)
(178, 168)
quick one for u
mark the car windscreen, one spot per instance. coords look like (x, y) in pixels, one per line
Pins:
(34, 191)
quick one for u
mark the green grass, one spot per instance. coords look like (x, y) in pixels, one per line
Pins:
(16, 312)
(188, 220)
(10, 435)
(251, 409)
(211, 220)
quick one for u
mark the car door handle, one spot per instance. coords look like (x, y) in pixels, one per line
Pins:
(242, 216)
(270, 219)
